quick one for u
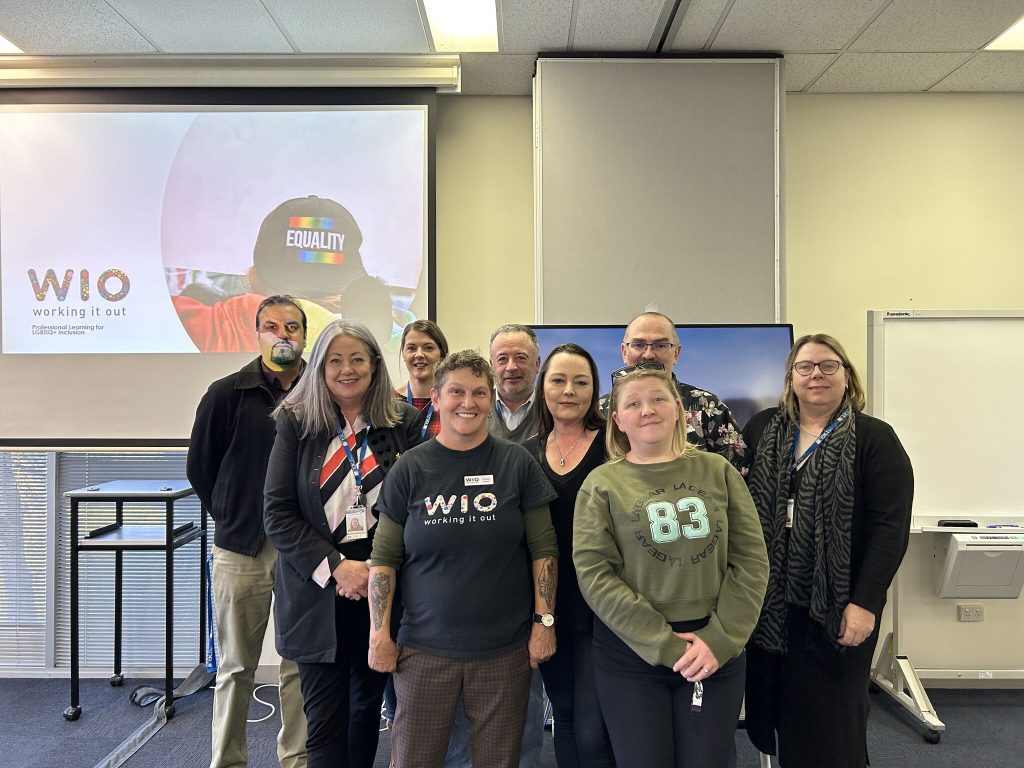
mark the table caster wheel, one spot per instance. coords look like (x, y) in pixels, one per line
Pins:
(169, 711)
(116, 680)
(72, 713)
(932, 737)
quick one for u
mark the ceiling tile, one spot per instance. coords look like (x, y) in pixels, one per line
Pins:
(697, 25)
(62, 28)
(352, 26)
(987, 71)
(497, 74)
(938, 25)
(616, 25)
(799, 69)
(528, 26)
(205, 26)
(886, 72)
(795, 25)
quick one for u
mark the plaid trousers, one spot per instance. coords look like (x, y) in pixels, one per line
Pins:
(494, 692)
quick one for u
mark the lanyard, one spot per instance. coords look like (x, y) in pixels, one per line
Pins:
(818, 440)
(356, 466)
(430, 410)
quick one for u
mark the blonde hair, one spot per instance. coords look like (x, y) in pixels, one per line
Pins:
(616, 441)
(854, 395)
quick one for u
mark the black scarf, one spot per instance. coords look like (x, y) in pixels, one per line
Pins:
(823, 512)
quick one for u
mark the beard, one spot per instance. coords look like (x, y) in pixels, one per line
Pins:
(283, 354)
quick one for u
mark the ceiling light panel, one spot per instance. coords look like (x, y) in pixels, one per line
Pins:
(463, 26)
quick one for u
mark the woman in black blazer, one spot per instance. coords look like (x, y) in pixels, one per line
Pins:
(339, 431)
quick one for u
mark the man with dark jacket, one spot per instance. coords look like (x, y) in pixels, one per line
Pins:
(227, 462)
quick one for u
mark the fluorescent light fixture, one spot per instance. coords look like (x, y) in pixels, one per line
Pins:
(442, 72)
(1011, 40)
(6, 46)
(463, 26)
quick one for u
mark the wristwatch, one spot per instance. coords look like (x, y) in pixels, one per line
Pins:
(547, 619)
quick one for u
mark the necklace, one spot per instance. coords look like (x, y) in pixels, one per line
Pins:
(562, 457)
(810, 434)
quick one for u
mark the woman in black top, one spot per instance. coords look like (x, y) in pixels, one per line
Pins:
(833, 488)
(569, 444)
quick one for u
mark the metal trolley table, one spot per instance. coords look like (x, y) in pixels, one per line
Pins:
(119, 538)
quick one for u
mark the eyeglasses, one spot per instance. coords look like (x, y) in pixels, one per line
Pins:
(827, 367)
(643, 365)
(656, 346)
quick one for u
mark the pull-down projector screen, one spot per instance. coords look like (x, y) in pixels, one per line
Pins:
(134, 237)
(657, 181)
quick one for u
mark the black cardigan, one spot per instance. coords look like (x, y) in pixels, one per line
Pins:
(296, 525)
(883, 492)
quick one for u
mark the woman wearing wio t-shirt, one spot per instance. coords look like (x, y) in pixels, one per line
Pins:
(463, 516)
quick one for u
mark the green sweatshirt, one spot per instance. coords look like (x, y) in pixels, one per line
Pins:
(675, 541)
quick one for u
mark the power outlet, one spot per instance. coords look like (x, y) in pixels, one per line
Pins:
(970, 613)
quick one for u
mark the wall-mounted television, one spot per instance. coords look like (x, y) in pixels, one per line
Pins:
(742, 364)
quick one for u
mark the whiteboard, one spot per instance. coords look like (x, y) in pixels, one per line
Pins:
(951, 383)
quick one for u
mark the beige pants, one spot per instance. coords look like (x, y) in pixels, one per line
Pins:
(242, 589)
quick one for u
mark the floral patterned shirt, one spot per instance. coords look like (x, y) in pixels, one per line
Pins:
(710, 425)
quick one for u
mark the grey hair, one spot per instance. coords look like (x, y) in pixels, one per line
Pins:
(310, 401)
(515, 328)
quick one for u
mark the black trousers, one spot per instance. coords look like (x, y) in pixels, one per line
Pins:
(342, 700)
(813, 698)
(581, 740)
(651, 722)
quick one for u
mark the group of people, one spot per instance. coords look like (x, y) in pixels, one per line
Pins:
(482, 528)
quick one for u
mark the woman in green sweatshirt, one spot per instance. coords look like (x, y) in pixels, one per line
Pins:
(670, 556)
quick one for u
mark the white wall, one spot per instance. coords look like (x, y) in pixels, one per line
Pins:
(898, 201)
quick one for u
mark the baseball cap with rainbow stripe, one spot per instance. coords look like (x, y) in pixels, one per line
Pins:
(308, 246)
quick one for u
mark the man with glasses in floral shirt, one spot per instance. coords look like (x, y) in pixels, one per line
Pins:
(651, 341)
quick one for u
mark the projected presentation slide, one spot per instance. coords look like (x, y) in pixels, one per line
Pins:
(131, 231)
(742, 364)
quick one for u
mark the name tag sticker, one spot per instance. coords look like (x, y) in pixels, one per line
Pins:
(479, 479)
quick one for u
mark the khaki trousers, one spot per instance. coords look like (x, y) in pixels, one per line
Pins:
(242, 590)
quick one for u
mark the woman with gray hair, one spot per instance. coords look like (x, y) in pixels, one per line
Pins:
(339, 431)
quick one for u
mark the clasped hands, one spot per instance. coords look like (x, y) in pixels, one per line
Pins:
(698, 663)
(351, 579)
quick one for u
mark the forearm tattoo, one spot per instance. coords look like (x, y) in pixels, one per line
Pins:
(548, 576)
(380, 591)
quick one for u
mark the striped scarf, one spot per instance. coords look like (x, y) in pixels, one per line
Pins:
(813, 569)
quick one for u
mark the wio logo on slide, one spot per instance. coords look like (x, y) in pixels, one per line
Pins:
(60, 289)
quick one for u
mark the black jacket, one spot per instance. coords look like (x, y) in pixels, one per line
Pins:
(228, 453)
(297, 526)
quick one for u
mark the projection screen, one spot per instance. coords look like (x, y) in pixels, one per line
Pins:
(137, 239)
